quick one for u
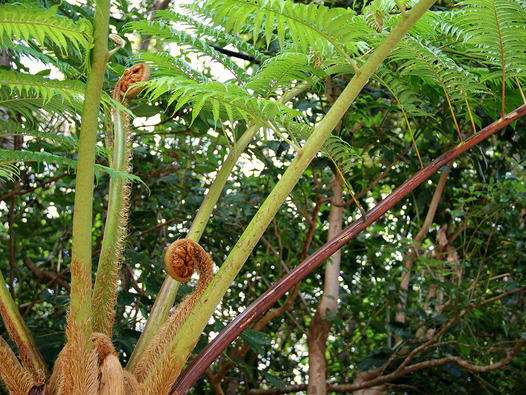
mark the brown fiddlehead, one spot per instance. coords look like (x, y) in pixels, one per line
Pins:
(180, 259)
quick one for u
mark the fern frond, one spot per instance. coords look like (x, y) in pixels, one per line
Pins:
(8, 157)
(309, 26)
(66, 143)
(162, 30)
(35, 54)
(173, 66)
(9, 172)
(34, 109)
(200, 29)
(40, 87)
(460, 87)
(280, 72)
(404, 93)
(225, 101)
(39, 24)
(497, 30)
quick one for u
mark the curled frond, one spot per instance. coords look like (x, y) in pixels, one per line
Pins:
(152, 370)
(127, 87)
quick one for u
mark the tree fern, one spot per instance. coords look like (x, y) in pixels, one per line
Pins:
(66, 143)
(162, 30)
(28, 85)
(311, 26)
(33, 23)
(280, 72)
(460, 87)
(36, 54)
(497, 30)
(173, 66)
(200, 29)
(223, 100)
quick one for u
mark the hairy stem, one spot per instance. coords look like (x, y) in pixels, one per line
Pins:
(79, 320)
(111, 251)
(18, 331)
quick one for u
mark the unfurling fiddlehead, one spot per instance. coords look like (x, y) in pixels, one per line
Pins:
(179, 261)
(137, 73)
(111, 252)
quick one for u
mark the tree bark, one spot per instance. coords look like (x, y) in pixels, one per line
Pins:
(320, 327)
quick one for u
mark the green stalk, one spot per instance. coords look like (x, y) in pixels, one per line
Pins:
(79, 328)
(18, 331)
(104, 292)
(176, 354)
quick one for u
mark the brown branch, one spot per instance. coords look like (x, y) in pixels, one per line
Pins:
(45, 276)
(421, 235)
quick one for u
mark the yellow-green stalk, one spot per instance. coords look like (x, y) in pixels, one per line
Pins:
(79, 329)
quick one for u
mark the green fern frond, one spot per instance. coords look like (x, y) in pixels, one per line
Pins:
(36, 86)
(66, 143)
(35, 23)
(200, 29)
(404, 93)
(173, 66)
(162, 30)
(280, 72)
(35, 54)
(309, 26)
(8, 157)
(9, 172)
(225, 101)
(344, 156)
(461, 88)
(34, 109)
(497, 30)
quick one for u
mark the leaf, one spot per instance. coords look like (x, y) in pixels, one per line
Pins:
(398, 329)
(34, 23)
(274, 380)
(256, 340)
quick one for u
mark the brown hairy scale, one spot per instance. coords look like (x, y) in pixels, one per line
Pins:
(137, 73)
(179, 260)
